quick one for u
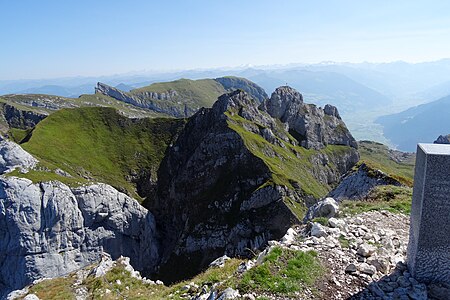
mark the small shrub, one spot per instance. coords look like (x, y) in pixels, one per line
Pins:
(321, 220)
(345, 243)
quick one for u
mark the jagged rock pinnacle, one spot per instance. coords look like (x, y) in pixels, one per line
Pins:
(283, 100)
(308, 121)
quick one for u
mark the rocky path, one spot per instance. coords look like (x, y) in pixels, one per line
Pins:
(365, 258)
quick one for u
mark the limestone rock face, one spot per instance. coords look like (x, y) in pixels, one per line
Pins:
(115, 93)
(12, 156)
(22, 119)
(49, 229)
(313, 126)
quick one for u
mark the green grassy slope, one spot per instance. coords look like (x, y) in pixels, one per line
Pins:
(290, 165)
(396, 199)
(99, 144)
(378, 156)
(399, 166)
(199, 93)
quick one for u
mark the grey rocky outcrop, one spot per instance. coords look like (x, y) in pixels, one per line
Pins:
(285, 102)
(357, 184)
(313, 126)
(12, 156)
(149, 100)
(379, 273)
(443, 139)
(49, 229)
(22, 119)
(139, 100)
(40, 103)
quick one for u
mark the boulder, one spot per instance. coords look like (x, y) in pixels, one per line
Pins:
(367, 269)
(327, 208)
(351, 268)
(12, 156)
(366, 250)
(318, 230)
(219, 262)
(289, 237)
(336, 223)
(229, 294)
(105, 265)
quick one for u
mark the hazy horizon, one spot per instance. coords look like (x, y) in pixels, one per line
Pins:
(224, 68)
(48, 39)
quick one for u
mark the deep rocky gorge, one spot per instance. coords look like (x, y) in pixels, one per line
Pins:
(238, 175)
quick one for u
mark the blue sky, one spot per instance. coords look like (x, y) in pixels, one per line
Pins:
(44, 39)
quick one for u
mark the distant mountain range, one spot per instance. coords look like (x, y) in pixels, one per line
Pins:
(60, 90)
(420, 124)
(399, 81)
(363, 92)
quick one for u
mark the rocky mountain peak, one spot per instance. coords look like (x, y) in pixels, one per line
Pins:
(314, 127)
(103, 88)
(287, 94)
(283, 100)
(235, 176)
